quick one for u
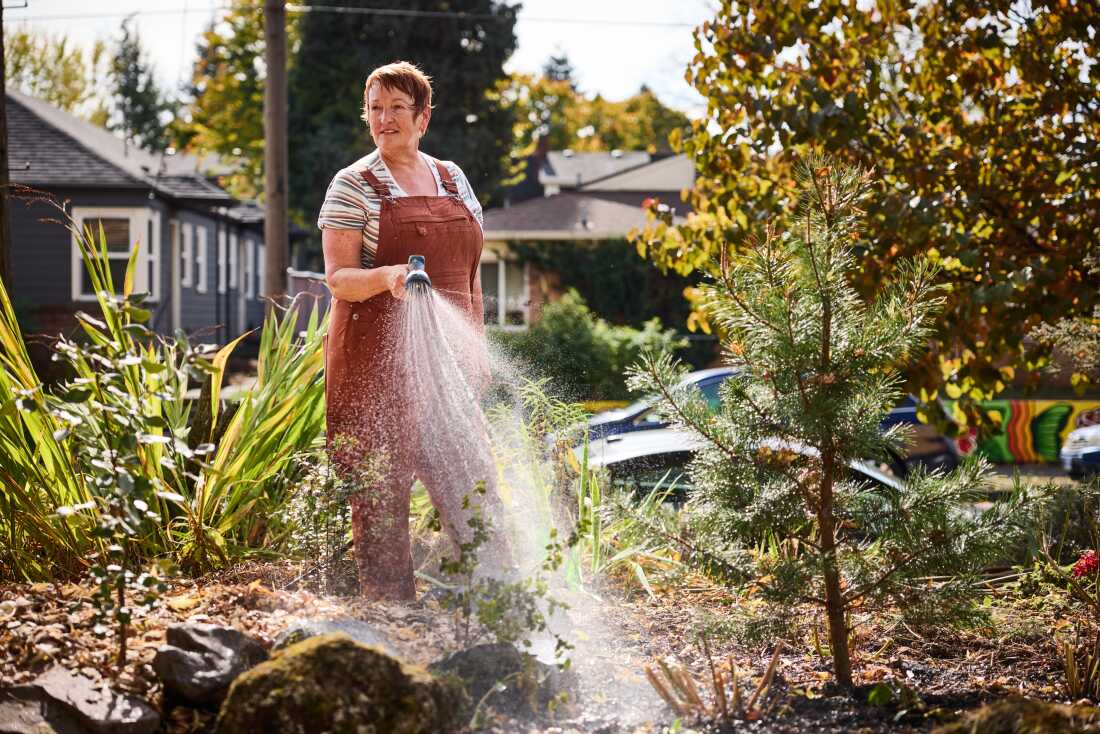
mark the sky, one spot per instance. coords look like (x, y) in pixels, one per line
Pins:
(615, 46)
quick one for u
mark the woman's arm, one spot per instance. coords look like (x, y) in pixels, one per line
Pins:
(350, 281)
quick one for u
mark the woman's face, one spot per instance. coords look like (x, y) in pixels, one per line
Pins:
(394, 124)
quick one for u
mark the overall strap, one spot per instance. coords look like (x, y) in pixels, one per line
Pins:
(375, 183)
(448, 183)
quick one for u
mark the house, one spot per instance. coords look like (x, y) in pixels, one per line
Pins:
(588, 198)
(201, 251)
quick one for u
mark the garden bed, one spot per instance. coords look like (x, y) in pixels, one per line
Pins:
(616, 635)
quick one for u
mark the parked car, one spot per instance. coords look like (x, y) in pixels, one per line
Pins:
(642, 414)
(648, 460)
(1080, 452)
(928, 448)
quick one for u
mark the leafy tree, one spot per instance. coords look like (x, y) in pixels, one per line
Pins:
(776, 503)
(463, 55)
(982, 119)
(57, 71)
(225, 114)
(551, 108)
(141, 111)
(1076, 341)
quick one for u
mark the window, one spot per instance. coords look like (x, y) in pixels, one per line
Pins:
(234, 273)
(187, 255)
(490, 280)
(249, 269)
(504, 288)
(261, 265)
(121, 228)
(200, 259)
(222, 280)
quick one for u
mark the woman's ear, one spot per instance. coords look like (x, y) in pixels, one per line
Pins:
(425, 116)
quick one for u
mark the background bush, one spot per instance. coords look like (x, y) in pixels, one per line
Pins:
(583, 355)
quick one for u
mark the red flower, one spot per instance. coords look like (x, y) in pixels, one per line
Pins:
(648, 202)
(1085, 565)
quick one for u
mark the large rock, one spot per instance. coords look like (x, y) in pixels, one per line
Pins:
(98, 708)
(332, 684)
(201, 660)
(1025, 716)
(356, 629)
(29, 710)
(524, 685)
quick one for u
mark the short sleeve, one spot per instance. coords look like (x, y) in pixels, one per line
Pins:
(346, 203)
(467, 193)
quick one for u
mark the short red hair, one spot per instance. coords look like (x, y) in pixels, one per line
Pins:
(404, 77)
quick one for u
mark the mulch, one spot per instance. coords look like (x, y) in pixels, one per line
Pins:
(616, 631)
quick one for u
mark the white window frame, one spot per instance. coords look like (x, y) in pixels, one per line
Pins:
(249, 269)
(489, 257)
(143, 222)
(201, 253)
(187, 255)
(223, 282)
(234, 272)
(261, 264)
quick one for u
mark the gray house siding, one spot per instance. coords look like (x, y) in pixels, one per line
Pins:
(42, 248)
(199, 310)
(42, 265)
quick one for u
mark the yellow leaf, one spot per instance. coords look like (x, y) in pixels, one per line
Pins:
(183, 603)
(953, 391)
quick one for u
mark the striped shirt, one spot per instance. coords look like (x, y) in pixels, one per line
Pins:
(350, 202)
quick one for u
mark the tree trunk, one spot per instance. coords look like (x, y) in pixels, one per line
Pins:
(830, 570)
(276, 240)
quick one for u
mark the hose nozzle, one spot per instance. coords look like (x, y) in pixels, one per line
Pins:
(417, 280)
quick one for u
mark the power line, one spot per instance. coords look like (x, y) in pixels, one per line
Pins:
(350, 10)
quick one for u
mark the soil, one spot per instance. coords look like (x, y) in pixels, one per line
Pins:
(933, 674)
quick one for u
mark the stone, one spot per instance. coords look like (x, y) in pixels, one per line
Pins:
(96, 706)
(331, 683)
(356, 629)
(525, 686)
(30, 710)
(201, 660)
(1026, 716)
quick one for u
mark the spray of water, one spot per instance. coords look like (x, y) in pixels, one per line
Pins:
(448, 368)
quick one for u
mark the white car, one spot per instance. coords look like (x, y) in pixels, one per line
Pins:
(1080, 452)
(659, 457)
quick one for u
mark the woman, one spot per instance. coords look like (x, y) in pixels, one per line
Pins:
(378, 211)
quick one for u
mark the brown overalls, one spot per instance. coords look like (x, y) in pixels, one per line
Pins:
(366, 391)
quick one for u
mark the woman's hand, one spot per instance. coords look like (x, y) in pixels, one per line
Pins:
(395, 277)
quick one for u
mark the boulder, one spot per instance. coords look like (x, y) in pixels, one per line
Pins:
(331, 683)
(29, 710)
(95, 705)
(1025, 716)
(524, 685)
(356, 629)
(201, 660)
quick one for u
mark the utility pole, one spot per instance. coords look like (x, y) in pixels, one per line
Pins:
(276, 235)
(5, 216)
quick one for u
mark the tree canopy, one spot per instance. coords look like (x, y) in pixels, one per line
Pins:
(981, 120)
(225, 114)
(550, 107)
(464, 56)
(55, 70)
(141, 111)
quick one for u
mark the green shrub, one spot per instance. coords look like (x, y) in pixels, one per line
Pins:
(213, 492)
(583, 355)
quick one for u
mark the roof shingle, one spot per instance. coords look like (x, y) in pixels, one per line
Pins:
(50, 147)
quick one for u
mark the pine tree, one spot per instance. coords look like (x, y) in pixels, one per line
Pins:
(141, 110)
(775, 500)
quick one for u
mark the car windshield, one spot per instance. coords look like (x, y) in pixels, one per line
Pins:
(708, 389)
